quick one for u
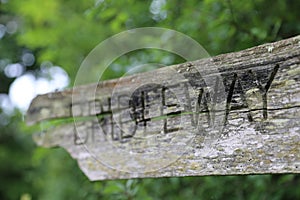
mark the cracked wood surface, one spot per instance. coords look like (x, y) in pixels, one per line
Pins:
(235, 113)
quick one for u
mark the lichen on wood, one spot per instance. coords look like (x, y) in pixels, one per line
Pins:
(184, 120)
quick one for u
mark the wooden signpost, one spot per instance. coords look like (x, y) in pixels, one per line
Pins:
(237, 113)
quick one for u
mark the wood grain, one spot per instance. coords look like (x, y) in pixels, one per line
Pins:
(235, 113)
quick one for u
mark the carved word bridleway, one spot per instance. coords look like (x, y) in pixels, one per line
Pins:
(156, 109)
(237, 113)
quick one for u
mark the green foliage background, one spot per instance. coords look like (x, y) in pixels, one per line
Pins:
(64, 31)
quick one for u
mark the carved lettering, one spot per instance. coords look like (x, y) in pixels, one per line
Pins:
(237, 84)
(84, 132)
(153, 107)
(169, 101)
(264, 88)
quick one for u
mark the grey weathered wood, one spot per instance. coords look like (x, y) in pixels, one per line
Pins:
(236, 113)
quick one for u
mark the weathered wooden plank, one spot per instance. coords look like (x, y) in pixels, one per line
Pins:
(236, 113)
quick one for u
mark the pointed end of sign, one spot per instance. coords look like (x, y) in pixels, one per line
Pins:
(33, 112)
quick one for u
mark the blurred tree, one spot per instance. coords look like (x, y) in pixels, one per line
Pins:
(64, 32)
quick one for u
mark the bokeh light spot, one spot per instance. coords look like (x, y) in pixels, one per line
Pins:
(12, 27)
(27, 86)
(14, 70)
(2, 30)
(28, 59)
